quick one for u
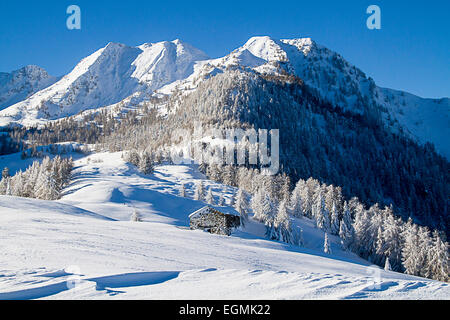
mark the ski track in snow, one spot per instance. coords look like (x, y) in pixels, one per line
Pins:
(89, 231)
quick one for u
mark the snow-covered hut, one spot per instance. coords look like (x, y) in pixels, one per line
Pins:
(213, 221)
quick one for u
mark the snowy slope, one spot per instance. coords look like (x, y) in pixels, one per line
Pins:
(108, 76)
(86, 239)
(20, 84)
(426, 120)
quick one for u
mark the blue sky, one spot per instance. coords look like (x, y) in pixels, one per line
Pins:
(411, 52)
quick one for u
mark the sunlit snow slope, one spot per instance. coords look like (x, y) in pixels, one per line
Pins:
(84, 246)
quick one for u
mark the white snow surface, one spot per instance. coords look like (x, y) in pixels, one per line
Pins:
(84, 246)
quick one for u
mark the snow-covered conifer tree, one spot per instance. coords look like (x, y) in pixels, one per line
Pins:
(146, 163)
(133, 157)
(326, 244)
(392, 240)
(228, 175)
(135, 217)
(411, 249)
(334, 219)
(361, 227)
(438, 259)
(199, 193)
(346, 231)
(387, 265)
(320, 213)
(282, 223)
(8, 190)
(209, 196)
(241, 206)
(256, 205)
(296, 200)
(182, 190)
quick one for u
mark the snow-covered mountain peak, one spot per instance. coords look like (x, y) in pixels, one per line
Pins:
(22, 83)
(305, 45)
(106, 77)
(265, 48)
(34, 71)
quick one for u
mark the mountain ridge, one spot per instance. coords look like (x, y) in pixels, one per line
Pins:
(20, 84)
(117, 72)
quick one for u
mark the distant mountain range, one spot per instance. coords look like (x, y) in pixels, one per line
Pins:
(21, 84)
(130, 75)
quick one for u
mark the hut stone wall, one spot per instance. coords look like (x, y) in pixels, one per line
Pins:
(214, 221)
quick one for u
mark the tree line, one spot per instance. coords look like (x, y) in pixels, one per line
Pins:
(42, 180)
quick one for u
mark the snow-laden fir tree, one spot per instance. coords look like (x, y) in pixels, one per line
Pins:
(361, 227)
(133, 157)
(268, 210)
(282, 223)
(5, 182)
(346, 231)
(241, 205)
(264, 211)
(387, 265)
(392, 240)
(307, 194)
(17, 185)
(269, 220)
(411, 251)
(46, 186)
(209, 196)
(378, 256)
(136, 217)
(284, 186)
(199, 192)
(146, 163)
(257, 205)
(319, 210)
(214, 171)
(438, 259)
(374, 236)
(8, 189)
(41, 180)
(326, 224)
(182, 190)
(334, 229)
(228, 175)
(296, 200)
(425, 243)
(326, 244)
